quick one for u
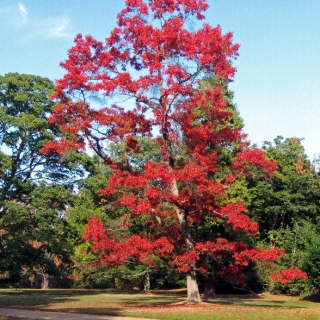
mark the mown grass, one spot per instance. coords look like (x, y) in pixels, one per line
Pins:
(169, 305)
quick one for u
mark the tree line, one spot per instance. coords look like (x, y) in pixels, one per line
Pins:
(172, 193)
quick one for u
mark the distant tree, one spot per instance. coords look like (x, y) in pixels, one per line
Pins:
(33, 234)
(286, 208)
(174, 206)
(294, 192)
(87, 203)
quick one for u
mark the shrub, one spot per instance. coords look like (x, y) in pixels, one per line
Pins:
(293, 282)
(286, 276)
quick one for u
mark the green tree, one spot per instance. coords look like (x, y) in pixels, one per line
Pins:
(31, 229)
(53, 235)
(301, 244)
(294, 192)
(87, 203)
(286, 208)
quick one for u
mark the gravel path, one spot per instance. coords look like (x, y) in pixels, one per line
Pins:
(49, 315)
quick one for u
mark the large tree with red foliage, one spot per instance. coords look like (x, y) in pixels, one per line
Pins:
(155, 61)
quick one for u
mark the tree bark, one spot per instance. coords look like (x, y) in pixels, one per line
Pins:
(193, 294)
(146, 287)
(192, 287)
(209, 291)
(45, 280)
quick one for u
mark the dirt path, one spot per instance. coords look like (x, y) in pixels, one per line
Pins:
(49, 315)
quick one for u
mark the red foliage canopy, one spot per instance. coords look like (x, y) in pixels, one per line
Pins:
(152, 59)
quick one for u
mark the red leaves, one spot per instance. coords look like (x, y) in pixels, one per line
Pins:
(121, 180)
(185, 261)
(158, 171)
(132, 144)
(269, 254)
(216, 248)
(244, 254)
(194, 7)
(236, 217)
(72, 117)
(289, 275)
(163, 247)
(81, 64)
(96, 69)
(116, 252)
(250, 158)
(215, 51)
(191, 173)
(61, 147)
(240, 256)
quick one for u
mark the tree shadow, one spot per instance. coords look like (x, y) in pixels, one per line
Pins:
(252, 301)
(313, 298)
(41, 300)
(11, 318)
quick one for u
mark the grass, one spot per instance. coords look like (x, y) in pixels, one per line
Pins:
(12, 318)
(169, 305)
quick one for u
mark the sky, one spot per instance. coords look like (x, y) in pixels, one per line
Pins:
(277, 85)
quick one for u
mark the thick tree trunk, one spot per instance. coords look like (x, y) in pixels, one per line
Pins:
(192, 287)
(45, 281)
(209, 291)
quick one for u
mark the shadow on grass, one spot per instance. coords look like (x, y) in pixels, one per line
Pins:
(11, 318)
(92, 311)
(114, 302)
(313, 298)
(247, 303)
(100, 302)
(42, 299)
(259, 301)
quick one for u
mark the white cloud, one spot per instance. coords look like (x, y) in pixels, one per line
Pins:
(49, 28)
(20, 18)
(60, 29)
(23, 11)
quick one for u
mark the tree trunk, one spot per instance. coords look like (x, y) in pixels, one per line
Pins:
(193, 294)
(192, 287)
(146, 287)
(45, 280)
(209, 291)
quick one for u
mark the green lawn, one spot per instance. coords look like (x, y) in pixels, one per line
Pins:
(161, 305)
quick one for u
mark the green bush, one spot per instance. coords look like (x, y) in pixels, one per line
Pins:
(312, 264)
(299, 287)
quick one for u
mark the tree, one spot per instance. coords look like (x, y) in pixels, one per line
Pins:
(286, 208)
(25, 106)
(88, 203)
(293, 194)
(53, 238)
(153, 60)
(33, 235)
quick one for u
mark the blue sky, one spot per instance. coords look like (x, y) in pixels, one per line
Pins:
(277, 86)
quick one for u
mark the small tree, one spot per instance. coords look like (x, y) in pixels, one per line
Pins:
(174, 206)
